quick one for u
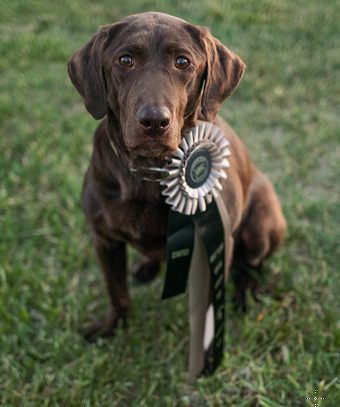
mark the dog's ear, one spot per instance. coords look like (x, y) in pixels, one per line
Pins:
(85, 69)
(224, 70)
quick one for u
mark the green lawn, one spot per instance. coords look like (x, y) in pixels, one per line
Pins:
(286, 110)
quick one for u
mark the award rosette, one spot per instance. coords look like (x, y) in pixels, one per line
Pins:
(198, 234)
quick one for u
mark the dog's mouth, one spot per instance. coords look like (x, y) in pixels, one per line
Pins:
(150, 149)
(146, 163)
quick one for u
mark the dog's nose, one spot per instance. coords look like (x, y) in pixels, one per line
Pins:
(154, 118)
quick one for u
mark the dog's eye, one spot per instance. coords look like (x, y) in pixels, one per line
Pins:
(182, 63)
(126, 61)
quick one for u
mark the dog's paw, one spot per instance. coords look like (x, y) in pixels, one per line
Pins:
(98, 330)
(245, 278)
(147, 271)
(239, 301)
(106, 327)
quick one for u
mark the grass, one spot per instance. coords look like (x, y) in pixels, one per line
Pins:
(286, 112)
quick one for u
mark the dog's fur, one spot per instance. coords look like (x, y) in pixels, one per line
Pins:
(148, 106)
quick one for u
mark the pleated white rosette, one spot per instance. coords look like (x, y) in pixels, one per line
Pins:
(194, 170)
(180, 195)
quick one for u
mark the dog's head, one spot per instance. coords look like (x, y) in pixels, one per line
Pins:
(148, 70)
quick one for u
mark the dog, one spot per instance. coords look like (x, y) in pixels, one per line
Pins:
(144, 77)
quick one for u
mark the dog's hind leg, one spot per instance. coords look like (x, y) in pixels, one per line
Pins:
(259, 236)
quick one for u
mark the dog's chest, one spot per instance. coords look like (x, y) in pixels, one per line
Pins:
(142, 224)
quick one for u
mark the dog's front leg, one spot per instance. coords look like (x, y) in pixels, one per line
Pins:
(111, 255)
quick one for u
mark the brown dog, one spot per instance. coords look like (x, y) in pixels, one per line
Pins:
(145, 74)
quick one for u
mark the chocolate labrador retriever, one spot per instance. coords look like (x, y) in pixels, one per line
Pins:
(144, 75)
